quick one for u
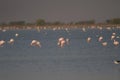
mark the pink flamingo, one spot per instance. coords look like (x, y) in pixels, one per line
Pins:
(35, 43)
(62, 41)
(2, 42)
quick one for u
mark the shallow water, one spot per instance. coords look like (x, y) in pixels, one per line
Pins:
(77, 61)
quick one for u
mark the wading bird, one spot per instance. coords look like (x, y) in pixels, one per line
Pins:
(16, 34)
(62, 41)
(11, 41)
(116, 43)
(35, 43)
(2, 42)
(100, 38)
(104, 43)
(116, 62)
(89, 39)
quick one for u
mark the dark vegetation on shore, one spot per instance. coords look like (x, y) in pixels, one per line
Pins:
(42, 24)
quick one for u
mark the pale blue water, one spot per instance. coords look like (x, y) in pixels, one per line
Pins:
(77, 61)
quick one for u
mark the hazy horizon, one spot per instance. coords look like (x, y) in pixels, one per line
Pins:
(59, 10)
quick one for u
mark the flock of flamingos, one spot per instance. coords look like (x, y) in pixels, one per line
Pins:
(65, 41)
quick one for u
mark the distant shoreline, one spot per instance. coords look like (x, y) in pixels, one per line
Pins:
(69, 26)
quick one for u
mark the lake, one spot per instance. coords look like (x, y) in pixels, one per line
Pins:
(79, 60)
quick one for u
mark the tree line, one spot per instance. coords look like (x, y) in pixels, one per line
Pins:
(42, 22)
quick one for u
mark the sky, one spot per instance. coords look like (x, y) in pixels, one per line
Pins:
(59, 10)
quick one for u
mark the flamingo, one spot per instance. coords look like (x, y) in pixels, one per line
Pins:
(89, 39)
(35, 43)
(62, 41)
(112, 37)
(114, 33)
(83, 29)
(116, 62)
(100, 38)
(104, 43)
(2, 42)
(16, 34)
(11, 41)
(116, 43)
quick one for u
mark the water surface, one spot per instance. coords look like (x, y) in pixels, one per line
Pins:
(77, 61)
